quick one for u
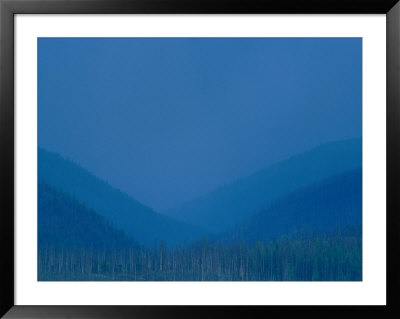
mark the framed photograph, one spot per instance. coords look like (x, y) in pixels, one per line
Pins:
(194, 159)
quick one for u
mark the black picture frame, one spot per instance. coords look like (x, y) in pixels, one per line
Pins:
(8, 8)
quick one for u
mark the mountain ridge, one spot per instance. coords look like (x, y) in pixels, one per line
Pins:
(332, 204)
(124, 212)
(225, 206)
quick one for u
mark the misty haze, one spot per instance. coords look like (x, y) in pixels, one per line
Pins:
(200, 159)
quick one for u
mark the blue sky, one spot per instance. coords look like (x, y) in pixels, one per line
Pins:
(166, 120)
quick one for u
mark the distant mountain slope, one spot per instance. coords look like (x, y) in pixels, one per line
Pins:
(122, 211)
(226, 206)
(331, 205)
(65, 223)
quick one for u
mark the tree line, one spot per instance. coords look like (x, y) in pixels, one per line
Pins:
(329, 257)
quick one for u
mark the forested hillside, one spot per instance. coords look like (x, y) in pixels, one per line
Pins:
(75, 243)
(335, 203)
(65, 223)
(223, 208)
(125, 213)
(310, 233)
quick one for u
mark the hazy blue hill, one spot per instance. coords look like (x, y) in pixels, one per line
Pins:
(65, 223)
(226, 206)
(122, 211)
(331, 205)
